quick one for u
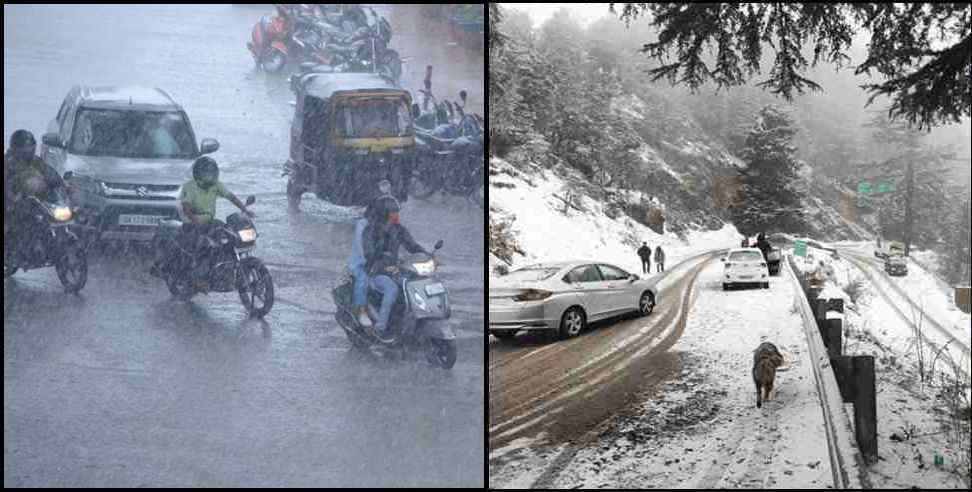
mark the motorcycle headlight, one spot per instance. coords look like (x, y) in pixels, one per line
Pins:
(424, 268)
(248, 235)
(61, 214)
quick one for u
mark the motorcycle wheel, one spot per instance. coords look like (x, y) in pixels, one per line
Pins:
(180, 285)
(441, 353)
(256, 288)
(72, 269)
(425, 182)
(274, 62)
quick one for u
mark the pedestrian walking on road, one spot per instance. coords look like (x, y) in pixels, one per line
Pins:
(660, 259)
(644, 252)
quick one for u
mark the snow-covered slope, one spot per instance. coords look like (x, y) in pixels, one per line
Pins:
(546, 228)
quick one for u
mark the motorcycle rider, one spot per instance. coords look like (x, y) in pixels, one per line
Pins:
(382, 241)
(198, 199)
(24, 174)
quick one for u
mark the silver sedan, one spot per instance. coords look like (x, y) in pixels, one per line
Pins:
(564, 297)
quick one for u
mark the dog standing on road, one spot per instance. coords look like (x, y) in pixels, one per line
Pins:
(765, 361)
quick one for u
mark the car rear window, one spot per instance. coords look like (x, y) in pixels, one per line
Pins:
(531, 274)
(745, 256)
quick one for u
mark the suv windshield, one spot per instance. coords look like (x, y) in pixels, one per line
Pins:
(373, 118)
(141, 134)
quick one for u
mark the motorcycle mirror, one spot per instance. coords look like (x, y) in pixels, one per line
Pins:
(438, 245)
(250, 200)
(463, 95)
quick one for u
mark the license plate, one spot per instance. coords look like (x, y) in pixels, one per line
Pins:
(745, 277)
(434, 289)
(139, 220)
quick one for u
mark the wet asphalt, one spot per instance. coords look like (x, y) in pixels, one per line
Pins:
(124, 386)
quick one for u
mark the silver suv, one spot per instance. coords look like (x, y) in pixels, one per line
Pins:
(128, 150)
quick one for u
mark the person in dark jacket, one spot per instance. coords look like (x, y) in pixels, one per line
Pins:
(382, 240)
(660, 258)
(644, 252)
(24, 175)
(764, 245)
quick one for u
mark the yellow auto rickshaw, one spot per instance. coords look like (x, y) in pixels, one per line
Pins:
(350, 131)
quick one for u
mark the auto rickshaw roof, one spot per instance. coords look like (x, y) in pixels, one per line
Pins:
(325, 85)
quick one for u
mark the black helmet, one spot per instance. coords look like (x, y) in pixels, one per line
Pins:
(22, 145)
(22, 138)
(205, 171)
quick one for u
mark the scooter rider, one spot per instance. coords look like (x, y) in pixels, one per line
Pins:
(382, 241)
(357, 261)
(24, 174)
(198, 199)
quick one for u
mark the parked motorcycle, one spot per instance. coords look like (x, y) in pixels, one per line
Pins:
(268, 43)
(418, 320)
(451, 153)
(231, 266)
(53, 242)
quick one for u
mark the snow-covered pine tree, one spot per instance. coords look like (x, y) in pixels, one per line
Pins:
(771, 196)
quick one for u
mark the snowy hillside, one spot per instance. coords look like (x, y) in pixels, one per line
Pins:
(546, 228)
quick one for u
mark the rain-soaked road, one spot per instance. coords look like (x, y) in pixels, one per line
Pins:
(123, 386)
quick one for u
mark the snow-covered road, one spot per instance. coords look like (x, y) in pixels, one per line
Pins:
(696, 425)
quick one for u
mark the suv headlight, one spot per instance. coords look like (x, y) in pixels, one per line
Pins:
(248, 235)
(424, 268)
(61, 214)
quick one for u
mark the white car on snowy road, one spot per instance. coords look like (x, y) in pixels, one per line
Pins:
(744, 266)
(564, 297)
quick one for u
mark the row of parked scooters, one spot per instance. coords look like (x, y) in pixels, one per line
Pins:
(347, 37)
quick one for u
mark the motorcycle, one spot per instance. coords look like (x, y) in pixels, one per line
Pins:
(417, 320)
(451, 153)
(231, 266)
(54, 243)
(268, 43)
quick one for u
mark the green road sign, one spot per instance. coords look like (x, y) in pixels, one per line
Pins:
(800, 248)
(885, 187)
(864, 188)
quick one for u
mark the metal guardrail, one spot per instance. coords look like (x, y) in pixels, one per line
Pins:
(846, 461)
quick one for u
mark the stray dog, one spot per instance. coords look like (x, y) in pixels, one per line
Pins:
(765, 361)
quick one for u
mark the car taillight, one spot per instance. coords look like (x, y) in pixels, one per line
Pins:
(532, 295)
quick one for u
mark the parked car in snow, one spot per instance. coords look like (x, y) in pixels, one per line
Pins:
(886, 249)
(564, 297)
(896, 265)
(744, 266)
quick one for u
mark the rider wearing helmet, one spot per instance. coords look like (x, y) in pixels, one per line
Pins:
(24, 174)
(198, 199)
(382, 241)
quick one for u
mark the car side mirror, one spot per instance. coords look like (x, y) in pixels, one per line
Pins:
(250, 200)
(438, 245)
(68, 175)
(632, 277)
(208, 146)
(52, 140)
